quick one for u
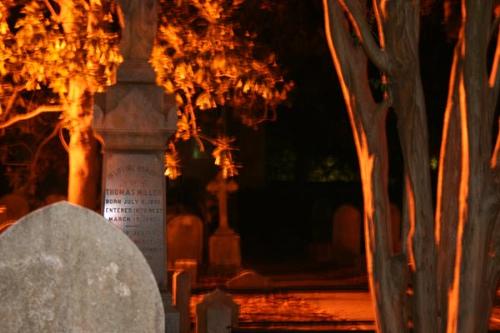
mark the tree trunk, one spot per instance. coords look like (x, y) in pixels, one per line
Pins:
(447, 198)
(477, 196)
(82, 149)
(83, 172)
(385, 272)
(458, 295)
(400, 23)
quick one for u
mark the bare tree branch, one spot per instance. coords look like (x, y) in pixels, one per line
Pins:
(494, 26)
(34, 162)
(358, 19)
(52, 11)
(12, 100)
(30, 115)
(495, 159)
(334, 27)
(62, 139)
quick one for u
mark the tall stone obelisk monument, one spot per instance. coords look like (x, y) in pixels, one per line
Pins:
(135, 118)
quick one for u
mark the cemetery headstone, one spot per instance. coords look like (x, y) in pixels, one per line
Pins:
(64, 269)
(16, 204)
(249, 280)
(172, 315)
(346, 238)
(184, 238)
(216, 313)
(134, 119)
(189, 266)
(224, 244)
(181, 289)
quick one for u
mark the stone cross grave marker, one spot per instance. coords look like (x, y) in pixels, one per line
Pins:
(220, 187)
(216, 313)
(63, 268)
(224, 244)
(346, 238)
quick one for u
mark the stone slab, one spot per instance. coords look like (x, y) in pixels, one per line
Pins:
(64, 269)
(224, 250)
(346, 238)
(190, 266)
(134, 201)
(217, 313)
(184, 238)
(181, 289)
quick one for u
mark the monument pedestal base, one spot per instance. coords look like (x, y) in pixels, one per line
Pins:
(224, 252)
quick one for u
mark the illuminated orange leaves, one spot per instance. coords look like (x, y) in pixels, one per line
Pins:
(208, 61)
(172, 162)
(43, 49)
(199, 56)
(224, 157)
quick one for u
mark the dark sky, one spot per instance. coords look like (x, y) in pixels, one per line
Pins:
(314, 124)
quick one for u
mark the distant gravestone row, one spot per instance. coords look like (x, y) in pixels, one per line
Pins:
(185, 237)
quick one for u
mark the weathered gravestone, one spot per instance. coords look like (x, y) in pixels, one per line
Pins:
(189, 266)
(346, 238)
(184, 238)
(135, 118)
(224, 244)
(16, 204)
(216, 313)
(63, 268)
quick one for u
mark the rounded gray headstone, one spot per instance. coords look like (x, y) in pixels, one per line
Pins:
(63, 268)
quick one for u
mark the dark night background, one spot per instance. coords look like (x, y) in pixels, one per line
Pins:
(298, 169)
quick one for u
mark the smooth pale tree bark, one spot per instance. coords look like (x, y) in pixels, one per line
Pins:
(82, 148)
(386, 273)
